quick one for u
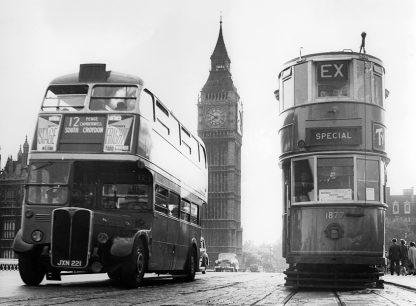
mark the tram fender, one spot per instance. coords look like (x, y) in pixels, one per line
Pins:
(123, 246)
(19, 246)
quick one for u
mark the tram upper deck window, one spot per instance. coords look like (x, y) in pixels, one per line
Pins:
(332, 79)
(335, 179)
(65, 98)
(304, 180)
(114, 98)
(288, 91)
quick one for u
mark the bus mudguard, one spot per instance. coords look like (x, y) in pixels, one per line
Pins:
(19, 246)
(123, 246)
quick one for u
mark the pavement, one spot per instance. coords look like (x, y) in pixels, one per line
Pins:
(408, 281)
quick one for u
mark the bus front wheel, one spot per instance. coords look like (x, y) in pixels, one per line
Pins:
(31, 269)
(191, 269)
(132, 272)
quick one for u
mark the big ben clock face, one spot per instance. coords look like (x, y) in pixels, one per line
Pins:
(215, 117)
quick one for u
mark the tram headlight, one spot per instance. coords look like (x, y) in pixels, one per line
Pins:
(102, 238)
(37, 235)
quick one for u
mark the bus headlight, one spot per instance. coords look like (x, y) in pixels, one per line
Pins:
(37, 235)
(102, 238)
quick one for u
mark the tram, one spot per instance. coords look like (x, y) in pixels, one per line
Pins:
(332, 137)
(115, 185)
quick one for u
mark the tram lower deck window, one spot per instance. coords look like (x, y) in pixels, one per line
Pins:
(335, 179)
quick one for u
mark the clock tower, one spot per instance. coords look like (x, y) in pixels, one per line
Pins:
(220, 127)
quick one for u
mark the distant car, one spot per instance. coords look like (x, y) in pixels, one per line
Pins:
(254, 268)
(226, 262)
(204, 259)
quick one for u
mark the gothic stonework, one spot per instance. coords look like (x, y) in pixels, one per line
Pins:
(220, 126)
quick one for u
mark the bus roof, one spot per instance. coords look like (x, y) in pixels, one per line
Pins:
(96, 73)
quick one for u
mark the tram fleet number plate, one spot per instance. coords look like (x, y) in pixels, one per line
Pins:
(334, 214)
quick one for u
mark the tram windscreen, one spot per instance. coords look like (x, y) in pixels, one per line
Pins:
(48, 183)
(335, 179)
(113, 98)
(65, 98)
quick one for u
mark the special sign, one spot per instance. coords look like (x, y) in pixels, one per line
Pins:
(332, 70)
(333, 136)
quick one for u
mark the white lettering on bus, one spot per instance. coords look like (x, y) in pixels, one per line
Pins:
(116, 134)
(333, 135)
(71, 130)
(47, 135)
(92, 130)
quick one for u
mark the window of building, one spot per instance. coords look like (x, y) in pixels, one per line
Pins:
(407, 207)
(395, 208)
(332, 79)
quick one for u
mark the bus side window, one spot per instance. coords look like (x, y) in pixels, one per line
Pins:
(194, 213)
(146, 105)
(203, 156)
(161, 199)
(173, 205)
(162, 119)
(185, 210)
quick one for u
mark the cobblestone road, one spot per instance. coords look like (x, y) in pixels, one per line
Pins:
(209, 289)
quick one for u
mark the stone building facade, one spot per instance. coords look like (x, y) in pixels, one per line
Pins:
(12, 178)
(220, 127)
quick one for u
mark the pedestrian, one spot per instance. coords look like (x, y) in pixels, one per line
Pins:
(404, 259)
(412, 258)
(394, 257)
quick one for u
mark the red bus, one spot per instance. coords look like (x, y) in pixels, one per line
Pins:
(333, 158)
(115, 184)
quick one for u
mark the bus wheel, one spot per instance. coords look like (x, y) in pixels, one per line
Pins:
(191, 269)
(31, 269)
(132, 272)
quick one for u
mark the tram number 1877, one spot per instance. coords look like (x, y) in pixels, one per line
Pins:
(334, 214)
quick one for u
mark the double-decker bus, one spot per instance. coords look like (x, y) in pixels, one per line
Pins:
(115, 184)
(333, 158)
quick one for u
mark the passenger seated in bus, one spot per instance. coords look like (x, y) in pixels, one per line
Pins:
(121, 106)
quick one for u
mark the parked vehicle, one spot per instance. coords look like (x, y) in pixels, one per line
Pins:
(226, 262)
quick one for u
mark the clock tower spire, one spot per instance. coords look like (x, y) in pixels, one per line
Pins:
(220, 127)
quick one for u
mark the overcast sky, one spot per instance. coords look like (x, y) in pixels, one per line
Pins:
(169, 43)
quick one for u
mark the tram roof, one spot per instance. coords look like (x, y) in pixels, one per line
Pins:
(347, 54)
(96, 73)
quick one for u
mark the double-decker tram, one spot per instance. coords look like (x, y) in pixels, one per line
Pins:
(115, 184)
(334, 169)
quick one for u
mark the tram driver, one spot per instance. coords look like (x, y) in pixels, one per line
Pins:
(303, 188)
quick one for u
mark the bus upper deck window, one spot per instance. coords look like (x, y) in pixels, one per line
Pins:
(114, 98)
(332, 79)
(65, 98)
